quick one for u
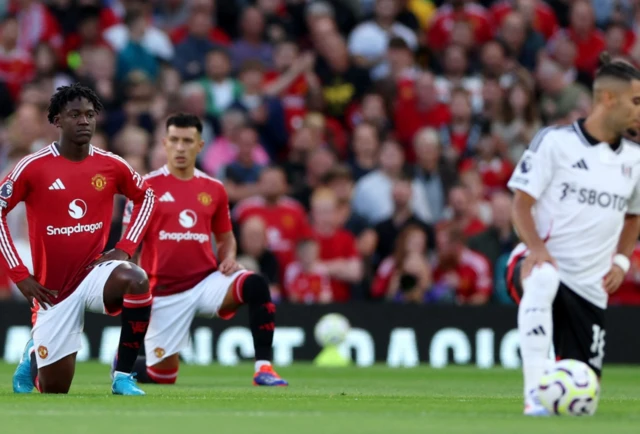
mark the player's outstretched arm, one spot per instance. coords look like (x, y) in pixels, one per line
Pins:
(526, 228)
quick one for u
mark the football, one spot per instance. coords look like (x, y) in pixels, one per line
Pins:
(331, 330)
(569, 388)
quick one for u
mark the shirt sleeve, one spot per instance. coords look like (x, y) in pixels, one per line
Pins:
(135, 188)
(221, 220)
(634, 202)
(13, 190)
(535, 169)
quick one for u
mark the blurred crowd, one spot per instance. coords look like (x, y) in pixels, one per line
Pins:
(365, 144)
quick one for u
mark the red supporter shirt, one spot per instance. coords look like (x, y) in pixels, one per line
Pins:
(383, 276)
(587, 50)
(216, 35)
(16, 68)
(471, 276)
(495, 173)
(340, 245)
(544, 20)
(439, 33)
(293, 99)
(69, 210)
(409, 118)
(307, 286)
(286, 223)
(177, 251)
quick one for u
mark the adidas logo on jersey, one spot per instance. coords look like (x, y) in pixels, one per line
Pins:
(167, 197)
(580, 165)
(57, 185)
(537, 331)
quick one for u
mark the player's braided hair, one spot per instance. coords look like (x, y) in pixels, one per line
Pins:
(66, 94)
(618, 68)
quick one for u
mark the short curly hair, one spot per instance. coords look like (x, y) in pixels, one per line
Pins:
(66, 94)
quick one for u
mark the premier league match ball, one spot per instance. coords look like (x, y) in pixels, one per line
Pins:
(570, 388)
(331, 330)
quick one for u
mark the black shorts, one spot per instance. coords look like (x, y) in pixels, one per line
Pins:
(578, 325)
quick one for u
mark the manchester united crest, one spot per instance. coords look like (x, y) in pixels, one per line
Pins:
(159, 352)
(99, 182)
(205, 199)
(43, 352)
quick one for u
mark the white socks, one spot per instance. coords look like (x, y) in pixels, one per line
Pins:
(535, 323)
(260, 363)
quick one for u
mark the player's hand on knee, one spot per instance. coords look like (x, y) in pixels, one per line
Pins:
(613, 279)
(32, 290)
(536, 258)
(111, 255)
(229, 266)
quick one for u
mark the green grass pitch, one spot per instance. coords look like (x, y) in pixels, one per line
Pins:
(221, 400)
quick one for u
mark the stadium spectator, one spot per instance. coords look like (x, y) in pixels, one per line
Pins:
(285, 218)
(433, 170)
(251, 44)
(190, 57)
(242, 173)
(318, 163)
(492, 165)
(337, 246)
(372, 197)
(460, 274)
(369, 41)
(537, 14)
(559, 98)
(463, 213)
(518, 120)
(443, 27)
(365, 146)
(343, 82)
(147, 39)
(582, 30)
(405, 276)
(523, 42)
(179, 33)
(265, 113)
(256, 256)
(388, 230)
(16, 64)
(292, 79)
(499, 238)
(423, 109)
(306, 280)
(221, 89)
(462, 134)
(455, 75)
(340, 180)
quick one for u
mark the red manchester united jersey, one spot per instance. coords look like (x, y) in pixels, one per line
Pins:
(69, 209)
(177, 250)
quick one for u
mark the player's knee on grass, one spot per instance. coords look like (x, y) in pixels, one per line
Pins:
(57, 377)
(255, 290)
(543, 283)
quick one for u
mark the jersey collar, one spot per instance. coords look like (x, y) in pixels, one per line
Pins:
(589, 140)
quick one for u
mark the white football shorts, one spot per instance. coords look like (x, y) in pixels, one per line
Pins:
(57, 331)
(171, 315)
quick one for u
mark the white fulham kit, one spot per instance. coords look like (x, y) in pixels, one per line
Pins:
(583, 191)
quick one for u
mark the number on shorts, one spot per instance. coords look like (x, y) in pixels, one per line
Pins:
(597, 346)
